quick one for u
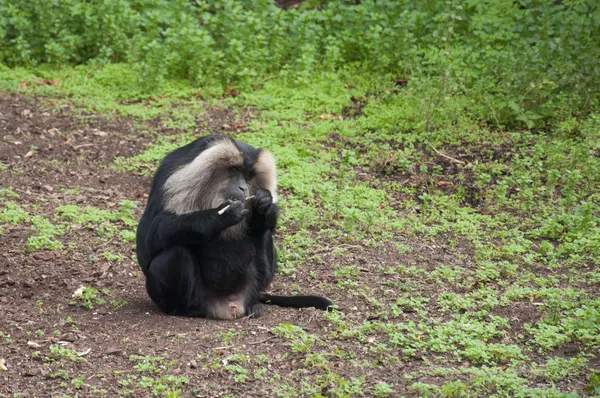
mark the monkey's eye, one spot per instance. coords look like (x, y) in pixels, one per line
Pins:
(235, 169)
(248, 175)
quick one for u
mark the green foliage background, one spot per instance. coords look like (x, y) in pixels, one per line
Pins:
(523, 60)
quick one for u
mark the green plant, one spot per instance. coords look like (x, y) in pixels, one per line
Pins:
(88, 296)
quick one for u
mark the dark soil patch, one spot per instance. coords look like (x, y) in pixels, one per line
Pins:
(35, 131)
(354, 110)
(225, 120)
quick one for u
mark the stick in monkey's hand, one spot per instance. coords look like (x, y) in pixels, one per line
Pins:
(224, 209)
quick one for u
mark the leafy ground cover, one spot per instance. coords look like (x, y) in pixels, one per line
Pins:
(456, 221)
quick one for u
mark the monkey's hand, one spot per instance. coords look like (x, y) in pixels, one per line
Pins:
(262, 201)
(233, 212)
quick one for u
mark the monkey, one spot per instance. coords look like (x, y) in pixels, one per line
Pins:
(205, 239)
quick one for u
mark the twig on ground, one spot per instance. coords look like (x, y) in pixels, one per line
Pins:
(82, 146)
(311, 317)
(225, 347)
(263, 340)
(446, 156)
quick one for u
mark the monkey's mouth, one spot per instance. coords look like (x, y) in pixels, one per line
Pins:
(235, 198)
(241, 198)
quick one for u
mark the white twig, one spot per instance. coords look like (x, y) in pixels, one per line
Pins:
(225, 347)
(224, 209)
(82, 146)
(446, 156)
(263, 341)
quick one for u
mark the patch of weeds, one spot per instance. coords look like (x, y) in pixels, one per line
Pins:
(43, 243)
(165, 386)
(7, 339)
(128, 236)
(118, 303)
(558, 368)
(88, 297)
(70, 321)
(301, 340)
(175, 336)
(571, 321)
(228, 336)
(339, 386)
(58, 374)
(383, 389)
(60, 352)
(46, 231)
(260, 374)
(7, 193)
(128, 381)
(593, 383)
(118, 257)
(261, 359)
(13, 213)
(408, 303)
(78, 382)
(104, 223)
(240, 374)
(151, 365)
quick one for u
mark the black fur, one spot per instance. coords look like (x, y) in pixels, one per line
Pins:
(188, 264)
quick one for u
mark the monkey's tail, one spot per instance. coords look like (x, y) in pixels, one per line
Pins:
(320, 303)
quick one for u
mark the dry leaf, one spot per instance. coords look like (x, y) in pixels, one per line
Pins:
(33, 344)
(78, 292)
(83, 353)
(326, 116)
(443, 183)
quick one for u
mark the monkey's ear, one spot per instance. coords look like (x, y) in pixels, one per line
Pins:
(266, 173)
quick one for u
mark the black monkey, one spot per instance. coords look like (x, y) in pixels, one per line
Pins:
(205, 240)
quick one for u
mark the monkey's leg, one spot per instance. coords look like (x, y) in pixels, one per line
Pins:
(172, 282)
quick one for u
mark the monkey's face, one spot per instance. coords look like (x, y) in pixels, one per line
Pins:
(225, 170)
(232, 183)
(240, 181)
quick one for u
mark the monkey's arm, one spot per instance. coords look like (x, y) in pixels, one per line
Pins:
(265, 212)
(168, 229)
